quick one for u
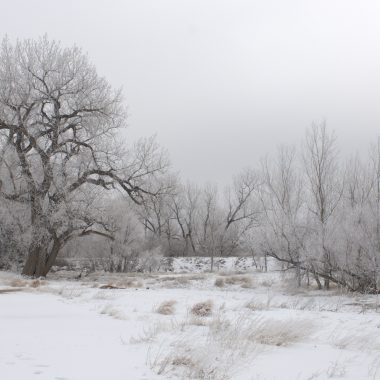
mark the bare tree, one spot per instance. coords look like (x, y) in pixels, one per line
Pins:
(242, 209)
(240, 201)
(59, 121)
(326, 187)
(211, 222)
(282, 200)
(185, 207)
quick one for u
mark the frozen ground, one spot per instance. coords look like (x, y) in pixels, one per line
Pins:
(249, 327)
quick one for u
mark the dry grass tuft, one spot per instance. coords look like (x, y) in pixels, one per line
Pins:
(18, 283)
(113, 312)
(258, 306)
(219, 282)
(150, 333)
(202, 309)
(166, 307)
(35, 283)
(243, 281)
(184, 361)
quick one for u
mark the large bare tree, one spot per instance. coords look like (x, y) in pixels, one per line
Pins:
(60, 144)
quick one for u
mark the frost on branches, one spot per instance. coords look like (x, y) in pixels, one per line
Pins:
(60, 146)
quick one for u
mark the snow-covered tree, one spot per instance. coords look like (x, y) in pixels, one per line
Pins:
(61, 146)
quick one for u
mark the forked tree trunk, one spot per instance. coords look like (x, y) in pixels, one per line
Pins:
(42, 253)
(40, 261)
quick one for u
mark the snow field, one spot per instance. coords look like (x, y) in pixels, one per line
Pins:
(185, 326)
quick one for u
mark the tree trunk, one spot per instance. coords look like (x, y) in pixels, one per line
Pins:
(318, 281)
(36, 261)
(35, 264)
(212, 261)
(52, 256)
(42, 254)
(298, 274)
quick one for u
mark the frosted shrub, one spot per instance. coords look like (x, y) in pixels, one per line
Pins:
(202, 309)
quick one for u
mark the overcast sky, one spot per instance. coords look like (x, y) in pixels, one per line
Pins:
(222, 83)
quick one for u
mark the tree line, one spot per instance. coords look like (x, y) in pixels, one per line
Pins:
(69, 183)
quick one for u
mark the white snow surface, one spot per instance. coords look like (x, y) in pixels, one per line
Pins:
(260, 328)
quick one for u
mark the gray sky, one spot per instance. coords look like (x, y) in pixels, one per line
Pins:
(222, 83)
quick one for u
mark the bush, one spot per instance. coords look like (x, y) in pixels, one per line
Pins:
(202, 309)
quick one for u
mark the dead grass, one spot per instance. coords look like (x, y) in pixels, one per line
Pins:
(174, 281)
(363, 341)
(36, 283)
(182, 361)
(257, 306)
(125, 283)
(150, 333)
(104, 295)
(278, 332)
(243, 281)
(267, 283)
(202, 309)
(113, 312)
(185, 276)
(167, 278)
(211, 348)
(23, 283)
(230, 272)
(166, 307)
(67, 292)
(18, 283)
(197, 277)
(219, 282)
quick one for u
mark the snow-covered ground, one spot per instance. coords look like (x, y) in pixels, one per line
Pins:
(253, 326)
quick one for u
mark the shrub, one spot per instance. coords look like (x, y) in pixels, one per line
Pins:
(202, 309)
